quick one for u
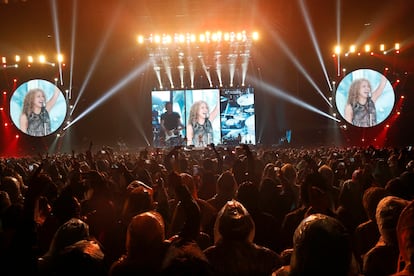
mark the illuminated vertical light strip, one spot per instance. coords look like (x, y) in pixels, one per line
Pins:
(296, 62)
(157, 69)
(57, 35)
(244, 65)
(338, 34)
(112, 91)
(218, 67)
(206, 70)
(181, 68)
(191, 69)
(167, 67)
(314, 41)
(95, 60)
(232, 67)
(72, 45)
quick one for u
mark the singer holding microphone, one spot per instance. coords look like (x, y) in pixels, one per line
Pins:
(34, 119)
(360, 108)
(199, 126)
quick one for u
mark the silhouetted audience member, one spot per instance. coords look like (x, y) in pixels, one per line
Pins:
(234, 252)
(350, 210)
(382, 259)
(84, 257)
(321, 246)
(69, 233)
(366, 235)
(267, 228)
(207, 212)
(225, 190)
(11, 185)
(405, 236)
(145, 246)
(315, 197)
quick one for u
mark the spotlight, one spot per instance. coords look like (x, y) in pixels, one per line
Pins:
(42, 59)
(337, 49)
(397, 46)
(140, 39)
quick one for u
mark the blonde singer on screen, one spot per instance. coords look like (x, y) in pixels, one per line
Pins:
(199, 126)
(360, 108)
(34, 119)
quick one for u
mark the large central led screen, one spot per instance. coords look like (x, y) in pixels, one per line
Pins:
(203, 116)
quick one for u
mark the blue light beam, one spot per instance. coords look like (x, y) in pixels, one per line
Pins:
(112, 91)
(314, 41)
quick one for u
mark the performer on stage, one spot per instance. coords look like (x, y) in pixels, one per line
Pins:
(360, 109)
(34, 119)
(171, 126)
(199, 127)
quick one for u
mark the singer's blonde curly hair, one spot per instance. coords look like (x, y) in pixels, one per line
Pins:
(354, 89)
(192, 118)
(29, 100)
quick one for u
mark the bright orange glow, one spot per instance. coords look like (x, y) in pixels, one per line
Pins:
(17, 58)
(367, 48)
(255, 36)
(3, 60)
(42, 59)
(397, 46)
(337, 49)
(382, 47)
(202, 38)
(239, 36)
(352, 49)
(140, 39)
(60, 58)
(157, 39)
(402, 97)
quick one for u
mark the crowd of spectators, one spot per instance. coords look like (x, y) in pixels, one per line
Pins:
(239, 210)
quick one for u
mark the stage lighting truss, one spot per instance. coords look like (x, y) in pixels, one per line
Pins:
(218, 53)
(29, 60)
(367, 48)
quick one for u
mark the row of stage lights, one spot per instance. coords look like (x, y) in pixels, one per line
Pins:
(205, 37)
(367, 48)
(40, 59)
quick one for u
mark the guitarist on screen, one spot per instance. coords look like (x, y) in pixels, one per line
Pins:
(171, 126)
